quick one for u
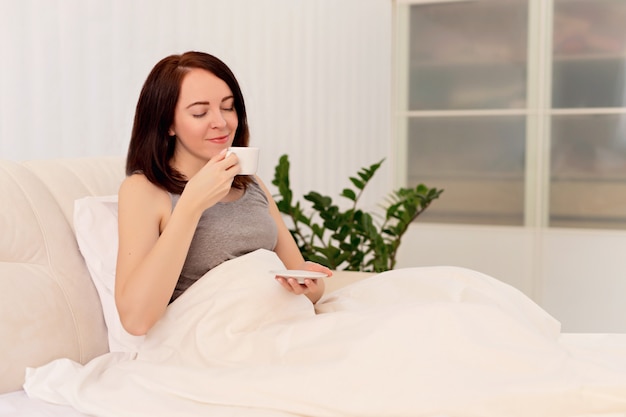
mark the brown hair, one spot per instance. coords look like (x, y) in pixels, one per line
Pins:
(151, 147)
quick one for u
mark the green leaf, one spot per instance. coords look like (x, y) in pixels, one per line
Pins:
(320, 202)
(317, 231)
(357, 183)
(343, 232)
(348, 193)
(367, 173)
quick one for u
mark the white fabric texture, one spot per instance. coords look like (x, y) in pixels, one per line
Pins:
(431, 341)
(95, 225)
(18, 404)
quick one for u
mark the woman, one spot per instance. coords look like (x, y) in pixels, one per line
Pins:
(182, 208)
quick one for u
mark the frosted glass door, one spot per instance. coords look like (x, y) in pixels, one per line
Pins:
(588, 135)
(478, 161)
(466, 108)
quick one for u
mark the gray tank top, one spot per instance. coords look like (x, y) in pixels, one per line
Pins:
(226, 231)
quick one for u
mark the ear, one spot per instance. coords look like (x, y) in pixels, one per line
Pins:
(171, 132)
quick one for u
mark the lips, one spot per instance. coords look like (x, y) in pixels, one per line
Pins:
(221, 139)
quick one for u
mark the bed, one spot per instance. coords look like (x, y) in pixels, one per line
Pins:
(428, 341)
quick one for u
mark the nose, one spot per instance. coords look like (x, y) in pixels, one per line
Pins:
(217, 120)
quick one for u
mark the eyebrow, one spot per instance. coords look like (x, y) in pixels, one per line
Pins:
(206, 103)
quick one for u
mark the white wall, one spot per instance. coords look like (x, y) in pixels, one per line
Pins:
(315, 74)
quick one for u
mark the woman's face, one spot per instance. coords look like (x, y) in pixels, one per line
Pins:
(205, 120)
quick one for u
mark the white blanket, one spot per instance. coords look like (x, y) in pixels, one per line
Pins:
(432, 341)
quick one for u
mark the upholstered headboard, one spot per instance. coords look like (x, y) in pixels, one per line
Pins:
(48, 304)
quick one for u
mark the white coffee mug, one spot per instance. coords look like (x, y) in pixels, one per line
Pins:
(248, 158)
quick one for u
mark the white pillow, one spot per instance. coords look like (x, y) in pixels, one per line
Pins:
(95, 225)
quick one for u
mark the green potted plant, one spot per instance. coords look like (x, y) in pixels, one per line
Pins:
(351, 239)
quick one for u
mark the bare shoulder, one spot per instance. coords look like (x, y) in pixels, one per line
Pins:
(137, 194)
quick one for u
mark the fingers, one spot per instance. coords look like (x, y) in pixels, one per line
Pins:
(233, 166)
(230, 163)
(223, 163)
(220, 156)
(292, 285)
(312, 266)
(230, 159)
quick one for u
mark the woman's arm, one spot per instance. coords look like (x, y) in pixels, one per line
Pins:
(154, 239)
(289, 253)
(149, 260)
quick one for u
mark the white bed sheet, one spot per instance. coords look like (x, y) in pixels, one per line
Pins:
(612, 346)
(18, 404)
(417, 342)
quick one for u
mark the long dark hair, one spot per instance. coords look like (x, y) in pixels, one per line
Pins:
(151, 147)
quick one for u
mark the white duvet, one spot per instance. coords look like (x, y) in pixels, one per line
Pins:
(430, 341)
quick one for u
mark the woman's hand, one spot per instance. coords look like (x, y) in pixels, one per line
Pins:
(312, 288)
(212, 182)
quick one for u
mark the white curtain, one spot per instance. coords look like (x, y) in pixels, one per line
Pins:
(315, 74)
